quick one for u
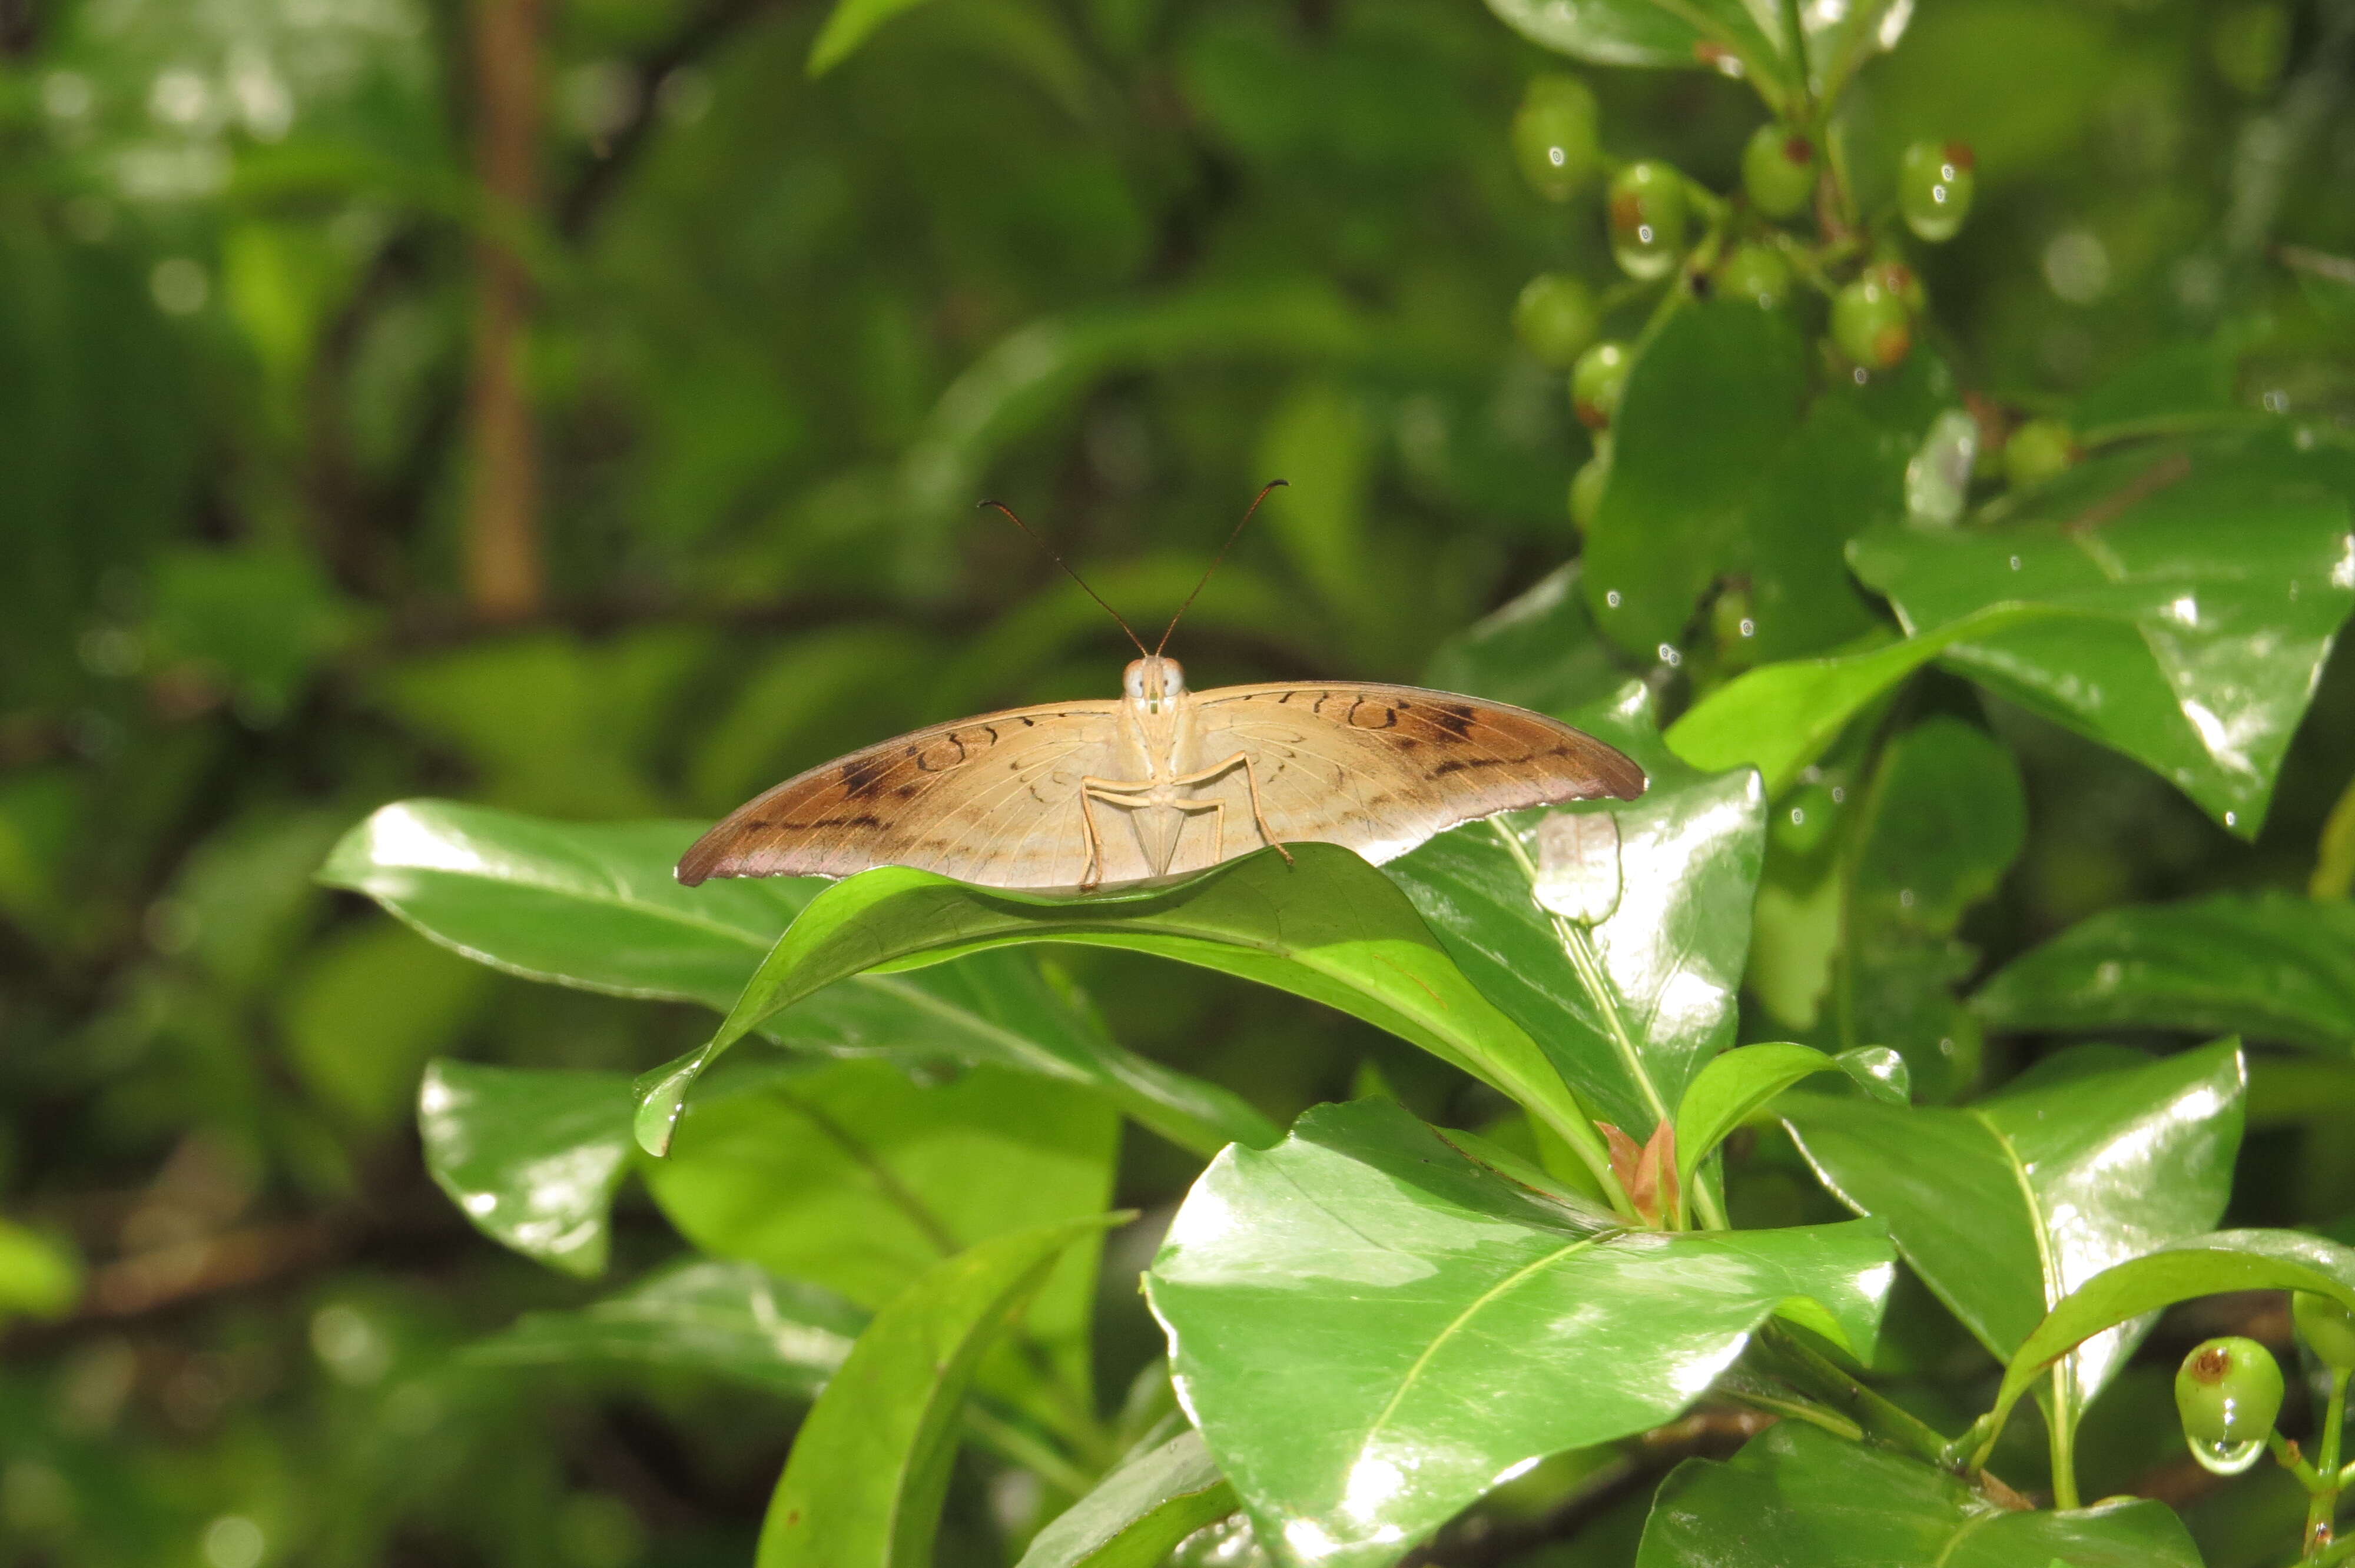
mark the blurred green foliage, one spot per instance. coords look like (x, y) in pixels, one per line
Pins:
(1115, 262)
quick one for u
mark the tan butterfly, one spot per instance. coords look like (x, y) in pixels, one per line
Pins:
(1074, 797)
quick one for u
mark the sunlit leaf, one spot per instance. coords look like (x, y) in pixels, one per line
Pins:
(1743, 1081)
(2268, 966)
(2005, 1206)
(2198, 590)
(1629, 1005)
(532, 1158)
(1326, 925)
(1483, 1323)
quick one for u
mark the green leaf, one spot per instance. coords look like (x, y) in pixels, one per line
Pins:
(2205, 1266)
(730, 1320)
(1632, 1003)
(1742, 1082)
(1328, 926)
(532, 1158)
(596, 905)
(869, 1469)
(1137, 1513)
(850, 24)
(1945, 816)
(2005, 1207)
(364, 1010)
(855, 1177)
(1709, 403)
(1540, 652)
(1683, 33)
(2267, 966)
(1798, 1497)
(2198, 593)
(1780, 718)
(1371, 1329)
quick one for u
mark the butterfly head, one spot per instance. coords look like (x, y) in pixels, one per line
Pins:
(1155, 682)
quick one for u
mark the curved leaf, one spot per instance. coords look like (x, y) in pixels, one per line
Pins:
(1137, 1513)
(1328, 926)
(1631, 985)
(2199, 590)
(1682, 33)
(850, 25)
(595, 905)
(864, 1485)
(532, 1158)
(2005, 1207)
(1742, 1081)
(1483, 1323)
(2206, 1266)
(1798, 1497)
(2268, 966)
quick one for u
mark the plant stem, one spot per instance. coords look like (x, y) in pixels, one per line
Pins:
(2286, 1456)
(2061, 1428)
(2322, 1500)
(1010, 1442)
(1875, 1415)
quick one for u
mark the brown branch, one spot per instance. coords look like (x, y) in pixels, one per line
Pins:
(506, 576)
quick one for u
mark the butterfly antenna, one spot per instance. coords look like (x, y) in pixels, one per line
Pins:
(1271, 484)
(1001, 506)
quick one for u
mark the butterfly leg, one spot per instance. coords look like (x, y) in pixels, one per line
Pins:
(1251, 782)
(1110, 791)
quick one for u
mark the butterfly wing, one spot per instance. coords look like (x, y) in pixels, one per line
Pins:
(993, 799)
(1381, 768)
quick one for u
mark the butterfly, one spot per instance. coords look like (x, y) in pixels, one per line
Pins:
(1163, 782)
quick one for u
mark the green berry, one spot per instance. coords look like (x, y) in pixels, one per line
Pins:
(1556, 136)
(1801, 820)
(1735, 628)
(1557, 317)
(1900, 280)
(2036, 450)
(2250, 45)
(1755, 273)
(1778, 170)
(1596, 382)
(1934, 181)
(1647, 218)
(1872, 325)
(2227, 1394)
(2327, 1329)
(1586, 486)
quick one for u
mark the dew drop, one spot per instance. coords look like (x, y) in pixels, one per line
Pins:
(2225, 1459)
(1612, 599)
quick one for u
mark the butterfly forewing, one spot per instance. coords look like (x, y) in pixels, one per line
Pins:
(993, 799)
(1381, 768)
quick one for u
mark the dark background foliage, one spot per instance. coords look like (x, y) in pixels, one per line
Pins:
(1115, 262)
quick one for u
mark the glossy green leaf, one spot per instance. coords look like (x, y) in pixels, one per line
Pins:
(2199, 592)
(2269, 965)
(1711, 400)
(850, 24)
(1540, 651)
(2204, 1265)
(532, 1158)
(2005, 1207)
(1798, 1497)
(1372, 1329)
(857, 1178)
(1780, 718)
(596, 905)
(1137, 1513)
(1328, 926)
(1743, 1082)
(726, 1319)
(869, 1469)
(1672, 33)
(1629, 1005)
(1942, 819)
